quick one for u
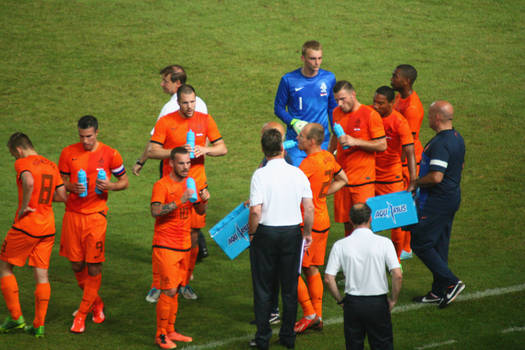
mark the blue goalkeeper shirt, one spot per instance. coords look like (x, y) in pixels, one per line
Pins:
(308, 99)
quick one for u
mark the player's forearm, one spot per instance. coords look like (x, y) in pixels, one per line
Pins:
(254, 219)
(121, 184)
(308, 216)
(156, 151)
(397, 281)
(372, 145)
(339, 182)
(408, 152)
(158, 209)
(430, 179)
(144, 156)
(27, 190)
(217, 149)
(201, 207)
(331, 284)
(60, 194)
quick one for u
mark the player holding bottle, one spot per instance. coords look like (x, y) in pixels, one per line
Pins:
(326, 177)
(84, 224)
(171, 207)
(305, 96)
(32, 234)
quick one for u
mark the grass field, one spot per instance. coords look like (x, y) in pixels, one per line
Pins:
(65, 59)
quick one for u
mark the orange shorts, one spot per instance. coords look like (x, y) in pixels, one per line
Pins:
(171, 266)
(389, 188)
(83, 237)
(197, 221)
(314, 255)
(348, 196)
(19, 246)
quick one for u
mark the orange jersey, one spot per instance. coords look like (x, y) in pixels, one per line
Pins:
(412, 109)
(46, 179)
(364, 124)
(398, 134)
(170, 132)
(320, 169)
(73, 158)
(172, 230)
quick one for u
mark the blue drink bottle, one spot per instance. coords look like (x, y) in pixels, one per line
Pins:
(190, 183)
(190, 140)
(82, 179)
(338, 129)
(101, 176)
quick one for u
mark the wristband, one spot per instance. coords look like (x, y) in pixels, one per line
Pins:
(341, 302)
(139, 163)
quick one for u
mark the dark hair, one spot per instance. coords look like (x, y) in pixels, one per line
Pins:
(19, 139)
(408, 72)
(343, 84)
(178, 150)
(88, 121)
(386, 91)
(176, 72)
(184, 89)
(316, 132)
(360, 213)
(272, 143)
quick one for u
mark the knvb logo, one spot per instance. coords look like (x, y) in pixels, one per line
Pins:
(390, 211)
(240, 233)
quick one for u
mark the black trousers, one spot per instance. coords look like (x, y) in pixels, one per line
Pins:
(367, 315)
(275, 251)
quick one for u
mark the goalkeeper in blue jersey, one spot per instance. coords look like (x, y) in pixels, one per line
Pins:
(304, 96)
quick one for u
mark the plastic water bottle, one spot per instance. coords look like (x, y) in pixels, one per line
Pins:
(190, 183)
(289, 144)
(82, 179)
(100, 176)
(190, 140)
(338, 129)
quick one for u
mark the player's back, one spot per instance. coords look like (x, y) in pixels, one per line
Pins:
(46, 179)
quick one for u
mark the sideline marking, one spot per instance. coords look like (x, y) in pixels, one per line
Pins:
(513, 329)
(397, 309)
(435, 345)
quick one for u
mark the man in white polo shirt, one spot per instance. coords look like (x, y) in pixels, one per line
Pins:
(276, 193)
(364, 258)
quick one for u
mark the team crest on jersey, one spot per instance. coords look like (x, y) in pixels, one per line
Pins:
(324, 89)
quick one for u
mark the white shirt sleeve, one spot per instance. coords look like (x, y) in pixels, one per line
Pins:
(334, 263)
(256, 193)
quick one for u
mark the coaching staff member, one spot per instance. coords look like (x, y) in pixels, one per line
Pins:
(276, 194)
(364, 258)
(439, 198)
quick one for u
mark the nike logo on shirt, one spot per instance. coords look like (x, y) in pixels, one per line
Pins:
(299, 88)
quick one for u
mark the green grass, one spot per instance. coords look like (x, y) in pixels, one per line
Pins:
(62, 60)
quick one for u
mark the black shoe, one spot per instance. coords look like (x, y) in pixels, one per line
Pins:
(451, 293)
(430, 298)
(286, 344)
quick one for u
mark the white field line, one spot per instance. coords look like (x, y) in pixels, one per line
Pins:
(403, 308)
(435, 345)
(513, 329)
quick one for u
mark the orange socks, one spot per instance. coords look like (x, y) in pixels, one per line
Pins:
(398, 238)
(303, 297)
(163, 313)
(42, 296)
(81, 277)
(316, 288)
(9, 288)
(194, 252)
(406, 245)
(173, 313)
(91, 287)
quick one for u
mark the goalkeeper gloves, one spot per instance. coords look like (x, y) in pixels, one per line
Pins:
(298, 125)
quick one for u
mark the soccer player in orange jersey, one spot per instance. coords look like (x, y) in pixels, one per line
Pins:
(364, 136)
(84, 224)
(32, 234)
(400, 145)
(326, 177)
(170, 132)
(408, 104)
(171, 207)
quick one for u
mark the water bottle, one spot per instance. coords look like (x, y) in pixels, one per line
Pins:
(190, 183)
(289, 144)
(338, 129)
(100, 176)
(82, 179)
(190, 140)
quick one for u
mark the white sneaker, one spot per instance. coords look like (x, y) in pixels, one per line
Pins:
(188, 292)
(153, 295)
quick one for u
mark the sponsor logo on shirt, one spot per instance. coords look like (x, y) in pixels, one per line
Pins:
(299, 88)
(390, 211)
(324, 89)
